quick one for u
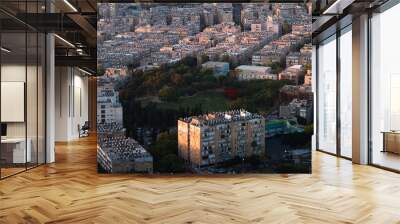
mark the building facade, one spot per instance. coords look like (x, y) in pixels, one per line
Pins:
(292, 73)
(109, 109)
(218, 68)
(250, 72)
(118, 154)
(221, 136)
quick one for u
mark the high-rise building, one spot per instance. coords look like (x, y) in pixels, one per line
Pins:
(274, 25)
(225, 13)
(109, 109)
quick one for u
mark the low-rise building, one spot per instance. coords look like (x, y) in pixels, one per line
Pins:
(118, 154)
(308, 78)
(218, 68)
(306, 54)
(297, 108)
(293, 59)
(117, 71)
(289, 92)
(291, 73)
(267, 57)
(256, 27)
(251, 72)
(280, 127)
(123, 155)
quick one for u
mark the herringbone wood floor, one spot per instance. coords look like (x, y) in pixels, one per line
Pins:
(70, 191)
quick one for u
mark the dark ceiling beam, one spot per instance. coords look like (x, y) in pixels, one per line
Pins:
(64, 51)
(209, 1)
(15, 18)
(322, 23)
(86, 27)
(337, 7)
(79, 61)
(49, 22)
(57, 23)
(326, 26)
(91, 5)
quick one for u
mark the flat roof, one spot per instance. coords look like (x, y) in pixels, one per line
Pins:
(215, 63)
(296, 66)
(253, 68)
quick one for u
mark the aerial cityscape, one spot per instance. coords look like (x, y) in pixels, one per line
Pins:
(204, 88)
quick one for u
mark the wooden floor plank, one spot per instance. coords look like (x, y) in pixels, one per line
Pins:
(71, 191)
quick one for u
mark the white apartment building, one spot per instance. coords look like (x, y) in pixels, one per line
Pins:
(109, 109)
(252, 72)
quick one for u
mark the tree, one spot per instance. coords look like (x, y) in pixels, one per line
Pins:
(309, 130)
(286, 28)
(165, 154)
(206, 72)
(203, 58)
(254, 144)
(100, 70)
(297, 139)
(182, 69)
(296, 47)
(134, 64)
(307, 66)
(276, 67)
(171, 163)
(168, 94)
(177, 79)
(190, 61)
(300, 77)
(227, 58)
(254, 160)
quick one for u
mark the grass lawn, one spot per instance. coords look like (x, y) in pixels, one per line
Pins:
(210, 100)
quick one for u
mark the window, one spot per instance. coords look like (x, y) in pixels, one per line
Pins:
(334, 94)
(385, 89)
(22, 63)
(346, 92)
(327, 95)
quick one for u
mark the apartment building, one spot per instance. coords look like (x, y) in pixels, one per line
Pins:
(119, 154)
(297, 108)
(109, 109)
(274, 25)
(220, 136)
(267, 57)
(292, 73)
(251, 72)
(293, 58)
(308, 78)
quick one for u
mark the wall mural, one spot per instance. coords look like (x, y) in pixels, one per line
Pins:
(213, 88)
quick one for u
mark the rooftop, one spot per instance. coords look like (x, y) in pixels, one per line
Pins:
(124, 149)
(216, 118)
(297, 67)
(212, 63)
(253, 68)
